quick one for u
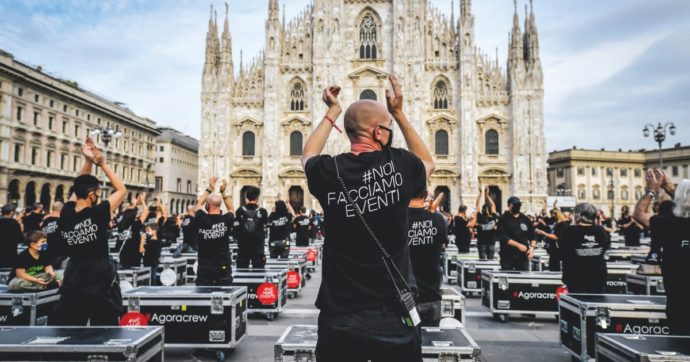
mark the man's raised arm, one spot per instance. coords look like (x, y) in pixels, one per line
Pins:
(202, 199)
(414, 142)
(317, 139)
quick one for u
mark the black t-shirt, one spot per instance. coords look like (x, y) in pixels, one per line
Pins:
(631, 233)
(251, 217)
(354, 277)
(11, 237)
(279, 226)
(85, 232)
(674, 234)
(426, 236)
(301, 226)
(462, 233)
(56, 246)
(315, 226)
(170, 230)
(189, 231)
(214, 237)
(558, 231)
(32, 222)
(582, 250)
(152, 252)
(30, 265)
(518, 229)
(129, 252)
(486, 229)
(125, 219)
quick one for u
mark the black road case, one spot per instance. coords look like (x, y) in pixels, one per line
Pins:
(5, 275)
(451, 259)
(193, 317)
(617, 271)
(266, 290)
(26, 308)
(642, 348)
(296, 273)
(81, 344)
(179, 265)
(539, 263)
(453, 345)
(470, 274)
(452, 304)
(625, 253)
(138, 277)
(645, 284)
(520, 292)
(583, 315)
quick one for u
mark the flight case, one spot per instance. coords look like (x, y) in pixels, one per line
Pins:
(625, 253)
(5, 275)
(520, 292)
(583, 315)
(138, 277)
(26, 308)
(81, 344)
(298, 343)
(642, 348)
(452, 304)
(296, 275)
(266, 290)
(179, 265)
(193, 317)
(645, 284)
(615, 280)
(470, 274)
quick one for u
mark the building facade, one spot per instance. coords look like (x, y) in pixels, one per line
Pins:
(611, 179)
(483, 125)
(177, 166)
(44, 121)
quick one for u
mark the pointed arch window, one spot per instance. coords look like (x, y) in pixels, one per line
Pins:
(491, 142)
(368, 38)
(441, 143)
(296, 143)
(248, 144)
(297, 92)
(441, 95)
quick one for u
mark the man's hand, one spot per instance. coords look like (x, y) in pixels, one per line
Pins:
(655, 179)
(530, 253)
(395, 100)
(523, 248)
(223, 185)
(212, 182)
(87, 149)
(330, 96)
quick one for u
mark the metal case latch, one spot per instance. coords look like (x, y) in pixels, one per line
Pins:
(603, 317)
(17, 306)
(133, 304)
(216, 305)
(503, 283)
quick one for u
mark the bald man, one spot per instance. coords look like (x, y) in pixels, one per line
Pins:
(360, 315)
(213, 236)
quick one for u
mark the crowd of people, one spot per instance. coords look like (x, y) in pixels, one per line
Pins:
(386, 234)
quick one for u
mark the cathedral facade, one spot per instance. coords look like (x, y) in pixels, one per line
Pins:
(484, 125)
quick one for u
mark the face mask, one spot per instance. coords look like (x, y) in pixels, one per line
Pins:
(43, 247)
(516, 208)
(390, 136)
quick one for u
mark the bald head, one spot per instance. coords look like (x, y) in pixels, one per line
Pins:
(214, 201)
(362, 116)
(57, 206)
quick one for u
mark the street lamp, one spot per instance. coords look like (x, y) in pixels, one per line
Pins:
(107, 134)
(659, 136)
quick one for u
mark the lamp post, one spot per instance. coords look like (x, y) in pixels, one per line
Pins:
(659, 136)
(107, 134)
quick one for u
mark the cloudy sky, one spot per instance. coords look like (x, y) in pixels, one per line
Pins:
(610, 66)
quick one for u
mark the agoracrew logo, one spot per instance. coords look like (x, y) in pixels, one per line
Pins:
(3, 318)
(177, 318)
(533, 295)
(643, 329)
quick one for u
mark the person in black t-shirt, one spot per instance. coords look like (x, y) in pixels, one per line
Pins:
(551, 238)
(56, 246)
(189, 233)
(582, 248)
(251, 220)
(301, 226)
(516, 235)
(124, 221)
(360, 317)
(673, 232)
(214, 228)
(32, 218)
(90, 290)
(630, 229)
(279, 230)
(427, 236)
(33, 271)
(315, 228)
(461, 230)
(11, 231)
(486, 223)
(150, 247)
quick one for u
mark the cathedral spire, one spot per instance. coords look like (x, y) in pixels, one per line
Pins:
(452, 19)
(465, 8)
(273, 10)
(226, 66)
(241, 63)
(515, 53)
(211, 63)
(532, 36)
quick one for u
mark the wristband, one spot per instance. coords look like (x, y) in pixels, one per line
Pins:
(209, 190)
(650, 193)
(329, 119)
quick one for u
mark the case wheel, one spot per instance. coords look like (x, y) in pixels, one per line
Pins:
(220, 356)
(503, 318)
(271, 316)
(308, 276)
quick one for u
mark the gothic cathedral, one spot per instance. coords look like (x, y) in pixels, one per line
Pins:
(484, 125)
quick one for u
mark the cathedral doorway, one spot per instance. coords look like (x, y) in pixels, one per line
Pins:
(45, 196)
(13, 193)
(496, 195)
(445, 205)
(296, 197)
(30, 194)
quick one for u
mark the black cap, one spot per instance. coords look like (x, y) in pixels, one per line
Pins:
(513, 200)
(9, 208)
